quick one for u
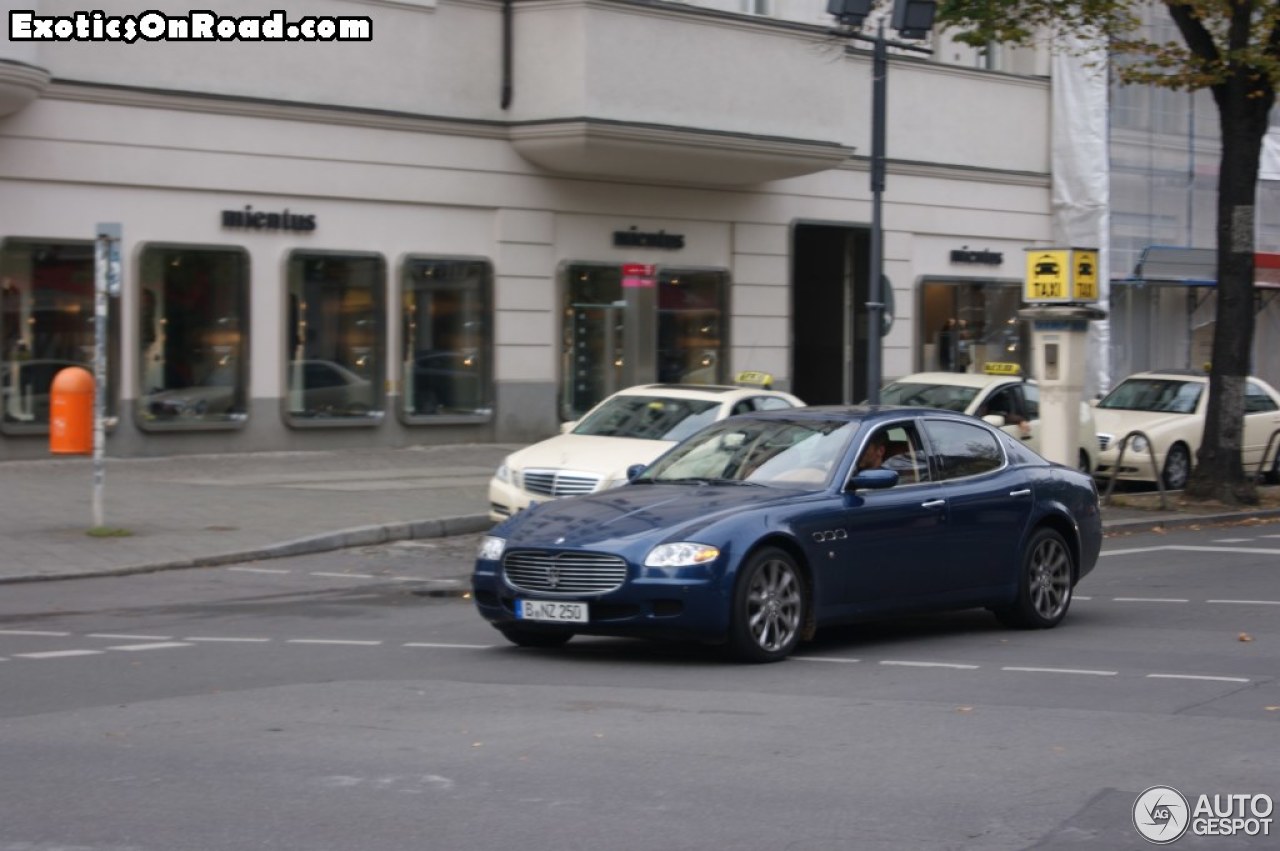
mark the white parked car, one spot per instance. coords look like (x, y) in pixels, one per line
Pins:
(1000, 397)
(1168, 407)
(633, 426)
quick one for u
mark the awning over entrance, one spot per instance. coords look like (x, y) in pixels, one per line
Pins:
(1175, 265)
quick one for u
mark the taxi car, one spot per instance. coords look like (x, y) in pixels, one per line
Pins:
(633, 426)
(998, 394)
(762, 528)
(1168, 408)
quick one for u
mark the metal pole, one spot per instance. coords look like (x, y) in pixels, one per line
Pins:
(102, 251)
(875, 296)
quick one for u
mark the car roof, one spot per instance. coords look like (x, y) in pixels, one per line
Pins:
(717, 392)
(1171, 373)
(858, 413)
(956, 379)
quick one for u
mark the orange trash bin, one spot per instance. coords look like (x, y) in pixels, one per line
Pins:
(71, 412)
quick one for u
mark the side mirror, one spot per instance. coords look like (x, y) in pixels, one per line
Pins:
(635, 470)
(873, 480)
(996, 420)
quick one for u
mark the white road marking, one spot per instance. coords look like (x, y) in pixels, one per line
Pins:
(1232, 540)
(449, 646)
(1149, 600)
(228, 640)
(1197, 677)
(825, 659)
(56, 654)
(343, 575)
(1247, 602)
(1078, 597)
(129, 637)
(1060, 671)
(33, 632)
(332, 641)
(258, 570)
(929, 664)
(1190, 549)
(162, 645)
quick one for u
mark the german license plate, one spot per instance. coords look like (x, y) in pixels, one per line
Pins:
(551, 611)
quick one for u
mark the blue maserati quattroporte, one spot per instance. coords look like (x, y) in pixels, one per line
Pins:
(762, 528)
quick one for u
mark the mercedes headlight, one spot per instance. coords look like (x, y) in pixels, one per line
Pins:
(1138, 444)
(683, 554)
(504, 471)
(491, 548)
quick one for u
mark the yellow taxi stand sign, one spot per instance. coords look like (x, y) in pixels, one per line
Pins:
(1061, 276)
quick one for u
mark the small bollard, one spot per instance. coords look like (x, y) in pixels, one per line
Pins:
(71, 412)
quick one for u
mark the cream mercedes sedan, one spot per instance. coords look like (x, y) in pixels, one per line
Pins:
(998, 395)
(633, 426)
(1163, 415)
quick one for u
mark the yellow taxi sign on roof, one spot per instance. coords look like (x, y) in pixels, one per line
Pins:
(751, 378)
(1002, 368)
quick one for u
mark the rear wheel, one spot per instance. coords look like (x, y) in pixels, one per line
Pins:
(1083, 463)
(768, 607)
(1177, 467)
(524, 637)
(1044, 584)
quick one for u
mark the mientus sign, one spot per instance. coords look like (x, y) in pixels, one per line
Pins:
(251, 219)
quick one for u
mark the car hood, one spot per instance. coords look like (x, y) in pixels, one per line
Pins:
(588, 453)
(1118, 423)
(636, 510)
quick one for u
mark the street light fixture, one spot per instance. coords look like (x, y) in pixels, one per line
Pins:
(913, 19)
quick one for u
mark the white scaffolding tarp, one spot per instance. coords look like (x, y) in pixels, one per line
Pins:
(1082, 179)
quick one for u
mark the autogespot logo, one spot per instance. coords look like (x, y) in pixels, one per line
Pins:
(1161, 815)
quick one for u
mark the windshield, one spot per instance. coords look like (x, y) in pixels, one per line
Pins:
(783, 453)
(948, 397)
(648, 417)
(1167, 395)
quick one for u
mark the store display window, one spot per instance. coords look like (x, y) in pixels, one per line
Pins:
(335, 338)
(46, 325)
(193, 329)
(634, 324)
(967, 324)
(447, 339)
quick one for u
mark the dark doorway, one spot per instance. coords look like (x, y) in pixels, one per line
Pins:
(829, 313)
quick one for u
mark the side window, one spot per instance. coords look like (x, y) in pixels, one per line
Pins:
(1007, 403)
(1256, 400)
(769, 403)
(896, 447)
(1031, 393)
(961, 449)
(742, 406)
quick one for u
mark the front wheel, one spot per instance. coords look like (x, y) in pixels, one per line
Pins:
(1177, 468)
(522, 637)
(768, 607)
(1044, 584)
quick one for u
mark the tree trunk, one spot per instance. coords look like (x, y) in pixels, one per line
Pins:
(1242, 115)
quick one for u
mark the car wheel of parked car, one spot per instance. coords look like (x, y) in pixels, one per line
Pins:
(1177, 467)
(1044, 586)
(1273, 476)
(534, 637)
(768, 607)
(1083, 464)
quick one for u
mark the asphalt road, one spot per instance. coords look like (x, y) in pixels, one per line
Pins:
(333, 703)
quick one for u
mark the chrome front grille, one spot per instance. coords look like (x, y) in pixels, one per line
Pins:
(1104, 440)
(563, 572)
(558, 482)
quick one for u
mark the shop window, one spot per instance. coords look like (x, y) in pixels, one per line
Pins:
(446, 310)
(967, 325)
(46, 325)
(193, 337)
(628, 325)
(335, 338)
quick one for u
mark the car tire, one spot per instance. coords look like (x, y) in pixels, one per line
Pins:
(522, 637)
(1045, 580)
(1272, 477)
(1082, 464)
(1177, 468)
(768, 613)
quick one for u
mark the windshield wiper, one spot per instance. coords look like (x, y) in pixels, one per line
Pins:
(706, 480)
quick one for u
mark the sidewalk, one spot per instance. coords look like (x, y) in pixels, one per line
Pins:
(197, 511)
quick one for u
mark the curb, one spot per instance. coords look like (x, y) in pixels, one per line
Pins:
(1182, 521)
(359, 536)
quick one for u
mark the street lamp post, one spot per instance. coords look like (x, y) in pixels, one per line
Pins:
(913, 19)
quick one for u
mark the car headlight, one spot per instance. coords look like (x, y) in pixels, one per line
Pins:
(682, 554)
(504, 472)
(491, 548)
(1138, 443)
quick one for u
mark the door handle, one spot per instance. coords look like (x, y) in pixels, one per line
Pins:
(933, 503)
(1023, 492)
